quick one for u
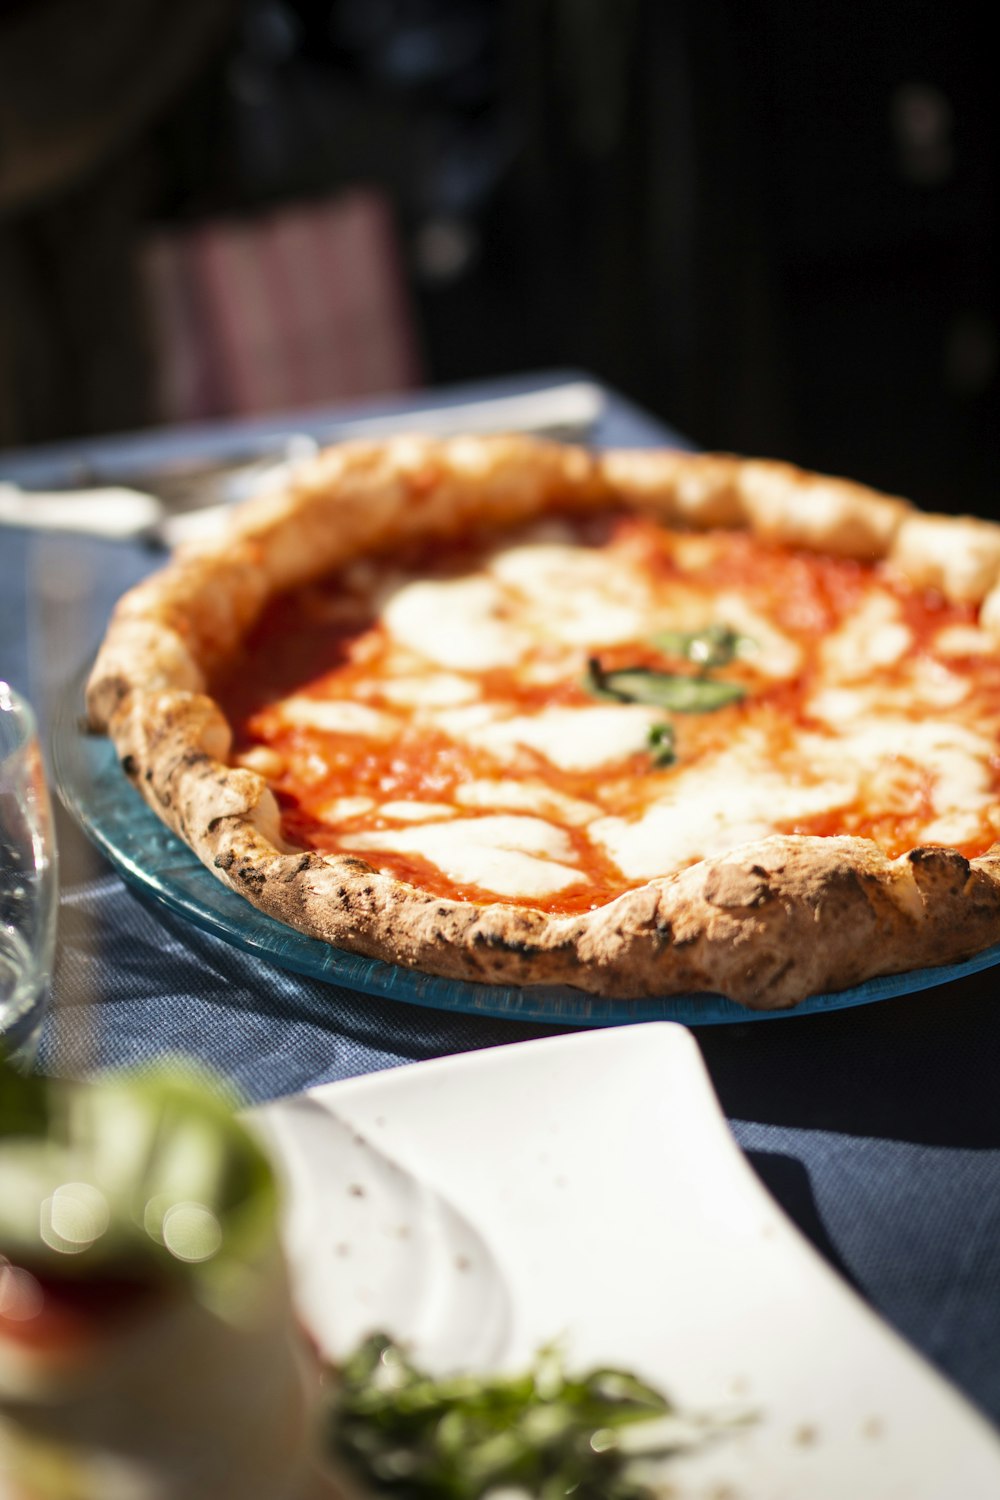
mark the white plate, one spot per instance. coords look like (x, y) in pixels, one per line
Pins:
(587, 1188)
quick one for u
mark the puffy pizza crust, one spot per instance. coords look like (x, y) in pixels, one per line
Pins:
(765, 924)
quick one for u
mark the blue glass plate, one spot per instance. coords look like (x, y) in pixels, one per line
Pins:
(96, 792)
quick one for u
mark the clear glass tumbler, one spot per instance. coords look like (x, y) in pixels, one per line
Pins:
(28, 884)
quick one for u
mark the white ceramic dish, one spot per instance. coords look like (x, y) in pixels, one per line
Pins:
(587, 1188)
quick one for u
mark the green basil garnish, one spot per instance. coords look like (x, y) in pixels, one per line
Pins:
(682, 695)
(674, 692)
(668, 690)
(595, 683)
(711, 646)
(660, 743)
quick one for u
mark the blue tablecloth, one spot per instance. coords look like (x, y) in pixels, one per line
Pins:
(877, 1128)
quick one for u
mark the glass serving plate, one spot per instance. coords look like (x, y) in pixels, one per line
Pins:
(111, 813)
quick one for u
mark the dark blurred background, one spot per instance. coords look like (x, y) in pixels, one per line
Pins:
(773, 224)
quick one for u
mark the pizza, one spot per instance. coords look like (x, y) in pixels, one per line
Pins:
(643, 723)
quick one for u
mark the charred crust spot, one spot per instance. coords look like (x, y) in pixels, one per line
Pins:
(946, 859)
(843, 883)
(213, 824)
(940, 871)
(520, 947)
(130, 766)
(497, 940)
(224, 861)
(647, 916)
(251, 877)
(149, 774)
(664, 929)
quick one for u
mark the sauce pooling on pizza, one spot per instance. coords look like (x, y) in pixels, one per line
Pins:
(556, 716)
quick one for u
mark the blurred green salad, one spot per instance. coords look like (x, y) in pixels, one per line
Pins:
(147, 1174)
(541, 1434)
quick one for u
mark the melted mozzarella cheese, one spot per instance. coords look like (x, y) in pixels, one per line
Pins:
(873, 635)
(462, 723)
(932, 683)
(963, 640)
(262, 759)
(733, 797)
(527, 796)
(339, 809)
(340, 716)
(955, 758)
(837, 705)
(436, 689)
(461, 623)
(746, 791)
(953, 828)
(508, 855)
(577, 596)
(415, 812)
(574, 739)
(770, 650)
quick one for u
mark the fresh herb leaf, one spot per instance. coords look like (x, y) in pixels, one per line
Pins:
(660, 743)
(543, 1432)
(669, 690)
(596, 684)
(686, 695)
(711, 646)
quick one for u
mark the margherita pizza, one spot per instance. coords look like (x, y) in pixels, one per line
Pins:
(643, 723)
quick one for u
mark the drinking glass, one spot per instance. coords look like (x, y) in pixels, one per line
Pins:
(27, 880)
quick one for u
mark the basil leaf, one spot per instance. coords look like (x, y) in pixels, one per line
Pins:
(711, 646)
(595, 682)
(682, 695)
(660, 743)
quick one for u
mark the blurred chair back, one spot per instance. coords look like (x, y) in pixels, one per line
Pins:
(304, 304)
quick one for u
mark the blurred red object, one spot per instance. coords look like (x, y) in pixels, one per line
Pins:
(303, 305)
